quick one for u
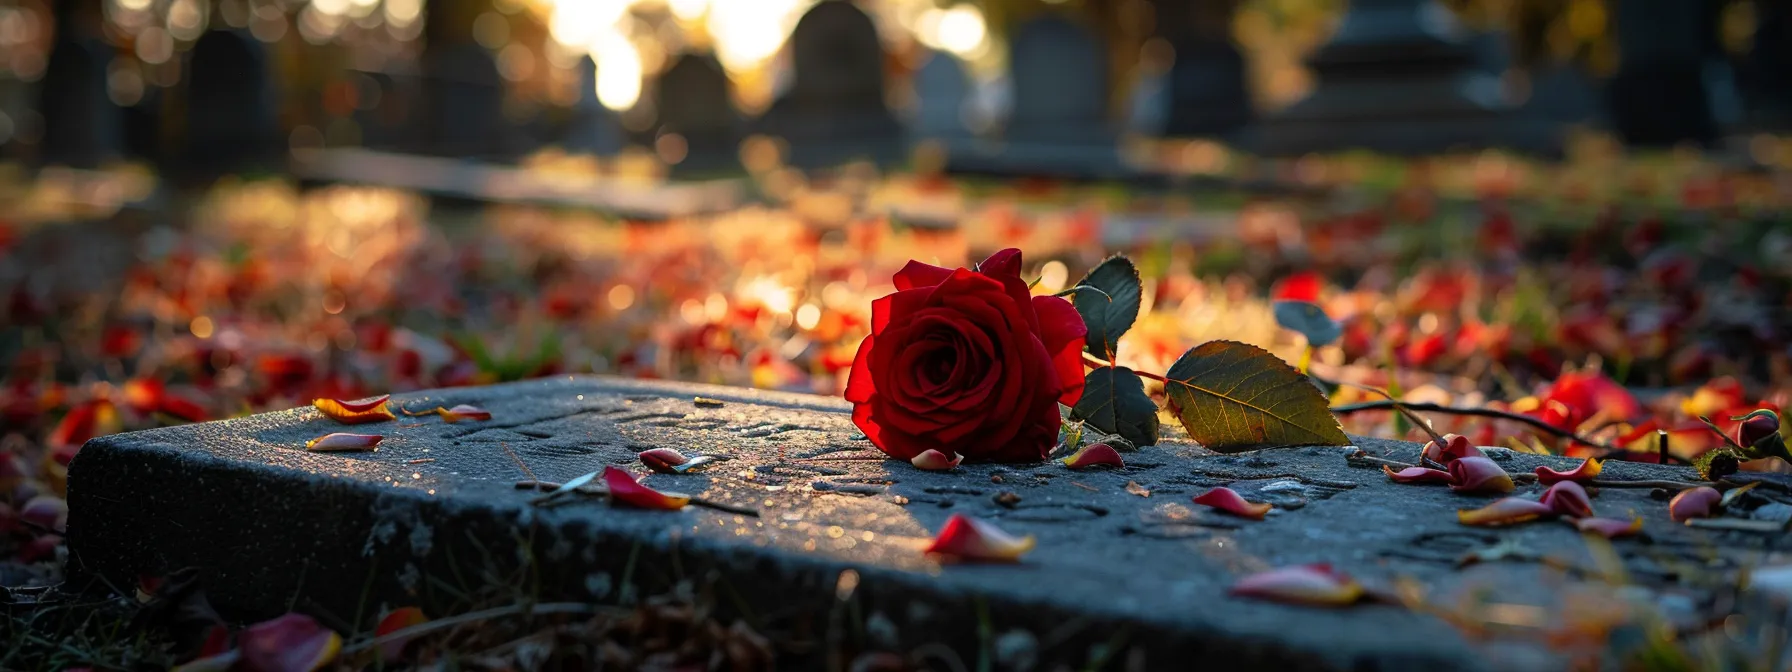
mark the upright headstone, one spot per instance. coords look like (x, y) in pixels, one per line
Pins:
(1660, 94)
(82, 127)
(462, 93)
(232, 123)
(1059, 124)
(941, 94)
(1207, 90)
(692, 101)
(1767, 76)
(593, 128)
(385, 103)
(835, 111)
(1397, 77)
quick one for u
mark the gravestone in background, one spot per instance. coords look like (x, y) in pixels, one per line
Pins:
(385, 104)
(82, 128)
(1207, 87)
(1767, 70)
(1660, 94)
(1058, 125)
(231, 116)
(593, 128)
(1397, 77)
(942, 92)
(691, 98)
(462, 113)
(835, 110)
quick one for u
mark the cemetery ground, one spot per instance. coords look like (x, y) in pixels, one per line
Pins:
(1575, 312)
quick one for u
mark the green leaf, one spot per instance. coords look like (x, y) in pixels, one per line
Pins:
(1232, 396)
(1114, 401)
(1308, 319)
(1109, 313)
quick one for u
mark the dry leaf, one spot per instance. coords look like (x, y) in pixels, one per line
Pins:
(1232, 396)
(1134, 488)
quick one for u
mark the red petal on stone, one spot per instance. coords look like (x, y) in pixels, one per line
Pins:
(624, 490)
(1417, 475)
(341, 412)
(1610, 528)
(1229, 501)
(465, 412)
(399, 619)
(663, 459)
(342, 441)
(1567, 498)
(967, 539)
(367, 404)
(1479, 475)
(1096, 455)
(1456, 447)
(1587, 471)
(1699, 502)
(1508, 511)
(1312, 585)
(933, 460)
(47, 511)
(290, 643)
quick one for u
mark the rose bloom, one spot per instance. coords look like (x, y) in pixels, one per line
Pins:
(967, 362)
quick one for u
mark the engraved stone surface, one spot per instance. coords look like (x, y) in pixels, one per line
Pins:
(1125, 561)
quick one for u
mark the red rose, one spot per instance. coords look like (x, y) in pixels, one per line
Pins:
(968, 362)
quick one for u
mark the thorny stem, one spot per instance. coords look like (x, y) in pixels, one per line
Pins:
(1482, 412)
(1366, 458)
(1094, 362)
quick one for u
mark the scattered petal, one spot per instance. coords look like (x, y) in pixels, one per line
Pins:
(1610, 528)
(625, 490)
(1507, 511)
(1229, 501)
(359, 411)
(290, 643)
(670, 461)
(1417, 475)
(1479, 475)
(968, 539)
(1312, 585)
(1094, 455)
(398, 619)
(464, 412)
(1134, 488)
(934, 460)
(1699, 502)
(1567, 498)
(1457, 447)
(1588, 470)
(569, 486)
(342, 441)
(47, 511)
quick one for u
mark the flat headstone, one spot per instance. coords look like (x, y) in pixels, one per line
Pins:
(82, 127)
(692, 100)
(840, 531)
(232, 120)
(834, 111)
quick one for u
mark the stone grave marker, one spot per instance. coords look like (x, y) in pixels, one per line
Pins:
(463, 105)
(1660, 94)
(941, 94)
(834, 111)
(1059, 124)
(593, 128)
(692, 100)
(232, 122)
(82, 127)
(816, 523)
(1208, 93)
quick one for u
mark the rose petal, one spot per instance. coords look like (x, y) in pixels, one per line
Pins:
(1094, 455)
(341, 412)
(968, 539)
(1479, 475)
(290, 643)
(625, 490)
(933, 460)
(464, 412)
(663, 460)
(342, 441)
(366, 404)
(1457, 447)
(45, 511)
(1417, 475)
(1229, 501)
(1610, 528)
(1699, 502)
(398, 619)
(1587, 471)
(1567, 498)
(1507, 511)
(1313, 585)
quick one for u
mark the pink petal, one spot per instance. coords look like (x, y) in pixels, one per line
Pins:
(1312, 585)
(1587, 471)
(625, 490)
(969, 539)
(1610, 528)
(342, 441)
(663, 460)
(290, 643)
(1417, 475)
(395, 621)
(465, 412)
(1507, 511)
(45, 511)
(1095, 455)
(1479, 475)
(1229, 501)
(372, 409)
(1458, 447)
(933, 460)
(1567, 498)
(1699, 502)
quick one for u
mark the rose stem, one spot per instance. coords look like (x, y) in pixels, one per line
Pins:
(1094, 362)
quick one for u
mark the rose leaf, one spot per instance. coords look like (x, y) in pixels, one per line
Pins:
(1111, 311)
(1231, 397)
(1114, 401)
(1309, 320)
